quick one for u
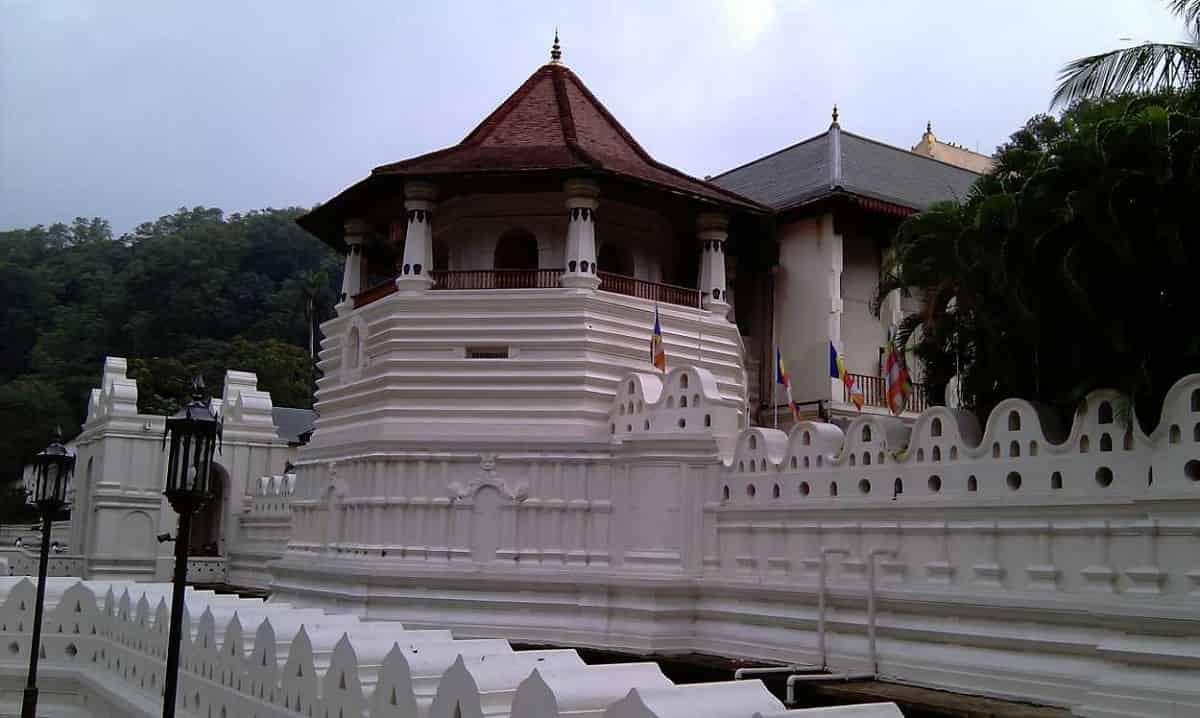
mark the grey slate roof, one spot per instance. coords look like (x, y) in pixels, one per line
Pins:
(839, 160)
(290, 424)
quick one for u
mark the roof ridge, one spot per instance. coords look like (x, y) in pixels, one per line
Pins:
(637, 147)
(769, 155)
(496, 116)
(608, 116)
(566, 117)
(897, 148)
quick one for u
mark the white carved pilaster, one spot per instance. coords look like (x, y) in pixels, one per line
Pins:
(413, 275)
(580, 270)
(355, 231)
(712, 230)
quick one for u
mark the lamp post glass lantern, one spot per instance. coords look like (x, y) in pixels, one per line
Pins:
(193, 433)
(52, 469)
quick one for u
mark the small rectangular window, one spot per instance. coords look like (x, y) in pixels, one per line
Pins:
(487, 353)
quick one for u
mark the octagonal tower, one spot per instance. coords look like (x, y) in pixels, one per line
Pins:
(495, 291)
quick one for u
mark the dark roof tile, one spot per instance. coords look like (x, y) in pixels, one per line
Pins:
(808, 170)
(553, 121)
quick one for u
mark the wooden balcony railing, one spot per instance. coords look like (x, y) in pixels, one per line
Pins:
(375, 293)
(875, 393)
(538, 279)
(497, 279)
(665, 293)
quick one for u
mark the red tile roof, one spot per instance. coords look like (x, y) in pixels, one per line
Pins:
(553, 122)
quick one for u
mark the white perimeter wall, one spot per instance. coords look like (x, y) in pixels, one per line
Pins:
(1086, 595)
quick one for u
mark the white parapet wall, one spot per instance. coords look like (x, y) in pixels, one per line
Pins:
(264, 528)
(1020, 558)
(104, 647)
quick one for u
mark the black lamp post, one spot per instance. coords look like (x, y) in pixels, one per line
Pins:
(52, 470)
(194, 432)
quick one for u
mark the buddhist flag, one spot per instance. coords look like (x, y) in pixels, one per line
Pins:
(837, 370)
(658, 356)
(781, 377)
(897, 384)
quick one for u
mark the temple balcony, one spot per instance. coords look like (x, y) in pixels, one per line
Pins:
(839, 404)
(875, 395)
(470, 280)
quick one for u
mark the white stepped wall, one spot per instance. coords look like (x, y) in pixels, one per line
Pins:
(104, 646)
(395, 370)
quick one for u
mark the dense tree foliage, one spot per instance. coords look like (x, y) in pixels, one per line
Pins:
(193, 292)
(1072, 266)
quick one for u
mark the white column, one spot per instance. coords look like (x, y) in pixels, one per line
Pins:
(832, 241)
(712, 231)
(353, 233)
(413, 272)
(580, 255)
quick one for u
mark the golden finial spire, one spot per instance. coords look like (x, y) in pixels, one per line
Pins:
(555, 50)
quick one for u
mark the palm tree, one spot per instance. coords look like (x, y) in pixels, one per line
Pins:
(1149, 67)
(311, 284)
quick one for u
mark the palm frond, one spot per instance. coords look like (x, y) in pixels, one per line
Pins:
(1189, 10)
(1149, 67)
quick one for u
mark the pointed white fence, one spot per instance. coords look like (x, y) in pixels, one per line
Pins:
(104, 650)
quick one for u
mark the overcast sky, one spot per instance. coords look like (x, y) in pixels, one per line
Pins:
(128, 110)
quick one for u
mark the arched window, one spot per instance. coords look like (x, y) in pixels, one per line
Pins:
(516, 249)
(615, 259)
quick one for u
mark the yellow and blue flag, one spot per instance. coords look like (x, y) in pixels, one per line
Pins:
(837, 370)
(658, 356)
